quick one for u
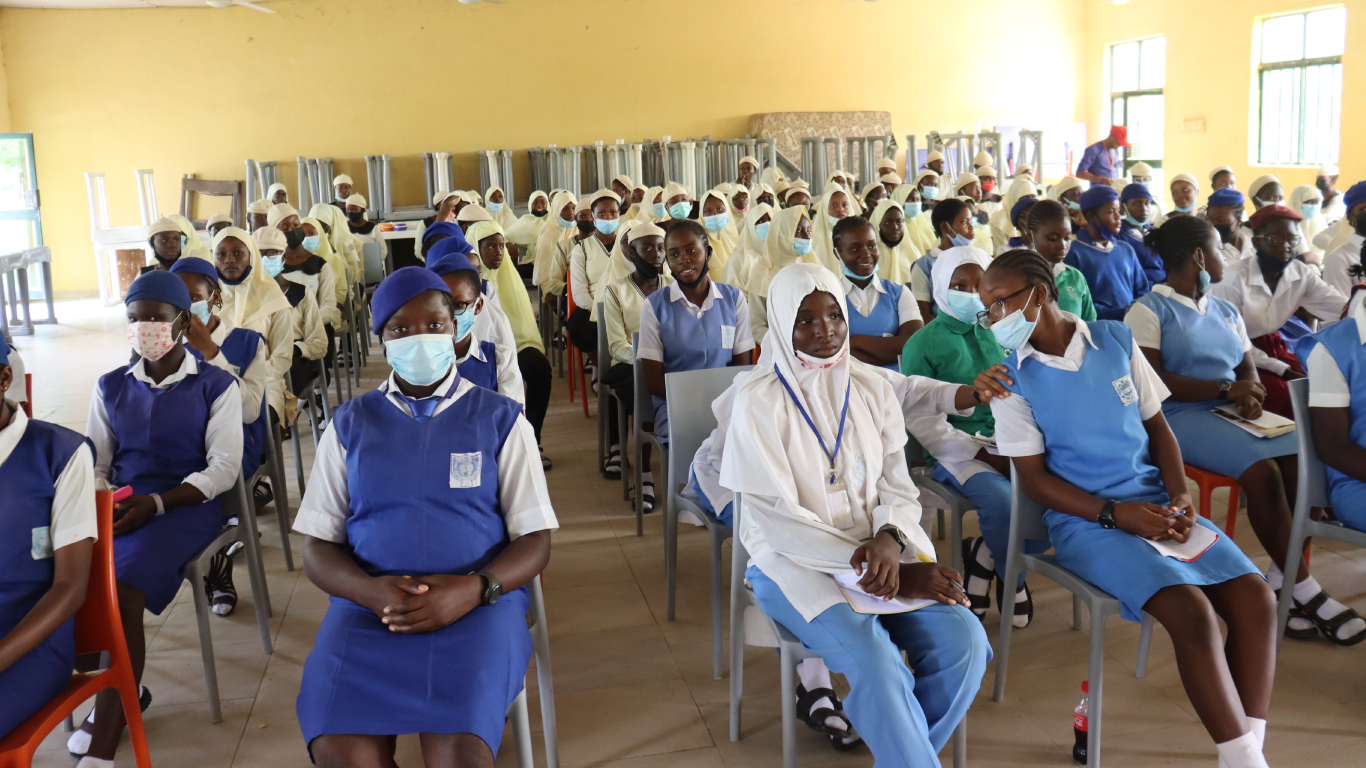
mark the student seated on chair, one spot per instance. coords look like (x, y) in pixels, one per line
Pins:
(1336, 406)
(257, 211)
(277, 194)
(1047, 230)
(47, 492)
(315, 265)
(1199, 347)
(526, 231)
(556, 238)
(1114, 480)
(833, 206)
(882, 314)
(815, 444)
(1110, 266)
(1137, 209)
(306, 328)
(440, 582)
(954, 348)
(952, 222)
(338, 248)
(695, 323)
(1338, 263)
(587, 271)
(1004, 224)
(167, 242)
(17, 392)
(364, 230)
(721, 231)
(480, 362)
(897, 251)
(252, 300)
(217, 222)
(170, 428)
(242, 353)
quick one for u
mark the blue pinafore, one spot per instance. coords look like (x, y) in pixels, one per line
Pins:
(1208, 347)
(482, 373)
(239, 349)
(424, 500)
(159, 435)
(885, 319)
(926, 265)
(693, 343)
(1107, 456)
(1115, 278)
(1343, 342)
(28, 480)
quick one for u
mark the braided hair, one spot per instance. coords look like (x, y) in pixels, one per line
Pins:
(1030, 266)
(1044, 212)
(1177, 239)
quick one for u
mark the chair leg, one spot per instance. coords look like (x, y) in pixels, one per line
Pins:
(337, 370)
(1233, 493)
(1145, 641)
(717, 601)
(960, 744)
(312, 424)
(737, 654)
(621, 435)
(1014, 565)
(546, 681)
(281, 493)
(201, 610)
(789, 695)
(132, 714)
(638, 453)
(602, 434)
(1076, 613)
(670, 549)
(583, 384)
(521, 730)
(1299, 530)
(256, 571)
(1095, 696)
(298, 457)
(327, 405)
(956, 539)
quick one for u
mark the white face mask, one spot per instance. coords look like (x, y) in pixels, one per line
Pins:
(820, 363)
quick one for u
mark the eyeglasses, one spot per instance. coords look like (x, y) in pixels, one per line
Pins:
(1276, 241)
(997, 309)
(459, 307)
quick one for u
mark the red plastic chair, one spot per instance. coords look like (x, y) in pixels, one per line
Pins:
(98, 629)
(28, 395)
(1207, 482)
(575, 355)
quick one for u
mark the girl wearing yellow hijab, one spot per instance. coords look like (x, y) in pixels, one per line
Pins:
(1002, 228)
(789, 239)
(341, 242)
(550, 263)
(739, 203)
(917, 217)
(651, 207)
(715, 217)
(835, 204)
(499, 207)
(253, 300)
(897, 253)
(750, 248)
(526, 231)
(331, 289)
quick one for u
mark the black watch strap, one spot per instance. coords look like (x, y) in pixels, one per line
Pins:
(493, 588)
(897, 535)
(1106, 518)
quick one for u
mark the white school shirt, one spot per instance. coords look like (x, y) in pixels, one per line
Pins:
(588, 264)
(1232, 254)
(493, 325)
(1300, 287)
(651, 348)
(1336, 262)
(73, 503)
(253, 381)
(522, 492)
(1327, 386)
(222, 435)
(925, 405)
(509, 375)
(1148, 329)
(864, 300)
(1017, 434)
(621, 308)
(921, 288)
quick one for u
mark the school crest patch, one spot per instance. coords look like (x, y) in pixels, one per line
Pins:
(466, 470)
(1124, 387)
(42, 543)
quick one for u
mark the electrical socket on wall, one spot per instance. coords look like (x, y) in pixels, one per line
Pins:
(1193, 126)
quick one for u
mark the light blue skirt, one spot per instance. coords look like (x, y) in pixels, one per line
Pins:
(1348, 497)
(1216, 445)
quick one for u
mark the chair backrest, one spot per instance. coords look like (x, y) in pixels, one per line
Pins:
(1026, 514)
(1313, 482)
(569, 292)
(373, 262)
(688, 396)
(645, 408)
(98, 626)
(604, 357)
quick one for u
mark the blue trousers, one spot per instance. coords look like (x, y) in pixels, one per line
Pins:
(990, 492)
(905, 716)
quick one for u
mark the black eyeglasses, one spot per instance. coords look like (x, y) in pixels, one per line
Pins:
(984, 318)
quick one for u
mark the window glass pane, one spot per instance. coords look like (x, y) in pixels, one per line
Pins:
(1145, 127)
(1283, 38)
(1124, 67)
(1117, 112)
(1325, 33)
(1322, 112)
(1153, 63)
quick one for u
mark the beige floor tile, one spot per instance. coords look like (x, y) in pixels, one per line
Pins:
(575, 610)
(629, 656)
(177, 676)
(608, 724)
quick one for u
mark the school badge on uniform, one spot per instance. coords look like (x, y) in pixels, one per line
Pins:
(1124, 386)
(466, 469)
(41, 548)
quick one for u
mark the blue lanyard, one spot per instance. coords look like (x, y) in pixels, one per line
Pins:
(839, 438)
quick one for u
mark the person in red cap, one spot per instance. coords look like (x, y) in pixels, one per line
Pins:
(1100, 163)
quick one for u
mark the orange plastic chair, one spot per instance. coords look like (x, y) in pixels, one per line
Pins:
(1208, 481)
(575, 355)
(98, 629)
(28, 395)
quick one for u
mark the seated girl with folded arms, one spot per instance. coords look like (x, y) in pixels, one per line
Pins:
(1337, 406)
(883, 314)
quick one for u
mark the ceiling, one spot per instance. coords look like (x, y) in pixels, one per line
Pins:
(102, 3)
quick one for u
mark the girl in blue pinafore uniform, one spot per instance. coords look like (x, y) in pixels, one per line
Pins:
(433, 478)
(882, 314)
(695, 323)
(1336, 366)
(1110, 266)
(47, 505)
(1083, 426)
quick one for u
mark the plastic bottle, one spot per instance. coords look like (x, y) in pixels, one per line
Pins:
(1079, 725)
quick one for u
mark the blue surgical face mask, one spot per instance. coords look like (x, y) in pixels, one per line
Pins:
(1136, 222)
(912, 209)
(464, 323)
(563, 222)
(660, 210)
(312, 242)
(1013, 330)
(929, 193)
(761, 230)
(1201, 281)
(1185, 209)
(1310, 210)
(607, 226)
(274, 265)
(801, 246)
(421, 360)
(1071, 205)
(852, 275)
(495, 207)
(716, 223)
(200, 309)
(958, 240)
(680, 210)
(831, 220)
(183, 242)
(964, 305)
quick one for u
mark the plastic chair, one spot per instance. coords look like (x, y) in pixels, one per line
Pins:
(273, 466)
(1207, 482)
(645, 409)
(1026, 522)
(234, 502)
(606, 394)
(1312, 492)
(517, 713)
(955, 503)
(688, 396)
(98, 629)
(747, 616)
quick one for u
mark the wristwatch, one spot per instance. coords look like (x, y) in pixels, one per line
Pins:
(1224, 387)
(493, 589)
(897, 535)
(1106, 518)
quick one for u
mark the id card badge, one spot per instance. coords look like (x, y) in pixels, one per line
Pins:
(727, 337)
(837, 502)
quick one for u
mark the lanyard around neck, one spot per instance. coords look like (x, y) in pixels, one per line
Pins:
(839, 437)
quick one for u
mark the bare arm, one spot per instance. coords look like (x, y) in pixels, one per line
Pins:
(883, 350)
(59, 603)
(1334, 443)
(653, 372)
(1247, 390)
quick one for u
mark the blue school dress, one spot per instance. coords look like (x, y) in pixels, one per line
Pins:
(1106, 455)
(1347, 494)
(28, 484)
(926, 265)
(885, 319)
(693, 343)
(1208, 347)
(482, 373)
(239, 349)
(424, 500)
(1153, 268)
(160, 441)
(1116, 278)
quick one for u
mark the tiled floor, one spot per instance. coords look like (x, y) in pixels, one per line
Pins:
(634, 690)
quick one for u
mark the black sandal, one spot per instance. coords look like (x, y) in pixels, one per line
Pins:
(218, 585)
(611, 469)
(1307, 633)
(1025, 609)
(974, 570)
(815, 718)
(261, 494)
(1329, 627)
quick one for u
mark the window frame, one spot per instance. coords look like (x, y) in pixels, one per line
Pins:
(1127, 159)
(1304, 65)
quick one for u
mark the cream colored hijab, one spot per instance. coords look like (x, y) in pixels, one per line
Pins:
(325, 251)
(512, 295)
(552, 233)
(724, 240)
(193, 247)
(250, 303)
(505, 217)
(894, 261)
(823, 244)
(778, 248)
(749, 252)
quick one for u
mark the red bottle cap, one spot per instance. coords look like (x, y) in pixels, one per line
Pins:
(1085, 686)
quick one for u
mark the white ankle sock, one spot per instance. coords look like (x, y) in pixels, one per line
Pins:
(984, 557)
(1020, 621)
(79, 742)
(1274, 577)
(1309, 588)
(94, 762)
(647, 477)
(814, 674)
(1258, 730)
(1242, 752)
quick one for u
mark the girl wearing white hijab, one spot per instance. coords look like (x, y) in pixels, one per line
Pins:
(789, 239)
(252, 300)
(816, 445)
(340, 242)
(835, 204)
(551, 262)
(916, 207)
(526, 231)
(1307, 201)
(277, 194)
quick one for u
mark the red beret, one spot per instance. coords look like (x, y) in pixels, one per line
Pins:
(1268, 212)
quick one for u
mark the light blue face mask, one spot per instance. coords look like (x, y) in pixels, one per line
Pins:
(1185, 209)
(761, 230)
(495, 207)
(852, 275)
(1201, 281)
(660, 210)
(802, 247)
(964, 305)
(563, 222)
(1013, 330)
(1136, 222)
(311, 243)
(607, 226)
(716, 223)
(183, 242)
(464, 323)
(421, 360)
(680, 210)
(958, 240)
(930, 193)
(911, 209)
(1310, 210)
(200, 309)
(274, 265)
(1071, 205)
(831, 220)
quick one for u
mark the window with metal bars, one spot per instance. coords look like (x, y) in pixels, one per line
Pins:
(1299, 88)
(1138, 71)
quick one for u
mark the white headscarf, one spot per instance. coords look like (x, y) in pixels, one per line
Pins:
(941, 274)
(750, 250)
(250, 303)
(1309, 227)
(276, 187)
(1259, 182)
(550, 235)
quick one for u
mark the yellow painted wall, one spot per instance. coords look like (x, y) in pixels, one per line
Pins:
(198, 90)
(1211, 75)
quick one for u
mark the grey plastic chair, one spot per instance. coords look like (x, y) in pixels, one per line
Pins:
(1026, 522)
(273, 466)
(645, 409)
(790, 650)
(517, 713)
(606, 398)
(689, 396)
(958, 504)
(1312, 492)
(234, 502)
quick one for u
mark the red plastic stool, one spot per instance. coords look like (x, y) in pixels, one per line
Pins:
(575, 354)
(1208, 481)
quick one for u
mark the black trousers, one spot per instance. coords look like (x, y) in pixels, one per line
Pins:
(583, 331)
(621, 378)
(535, 370)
